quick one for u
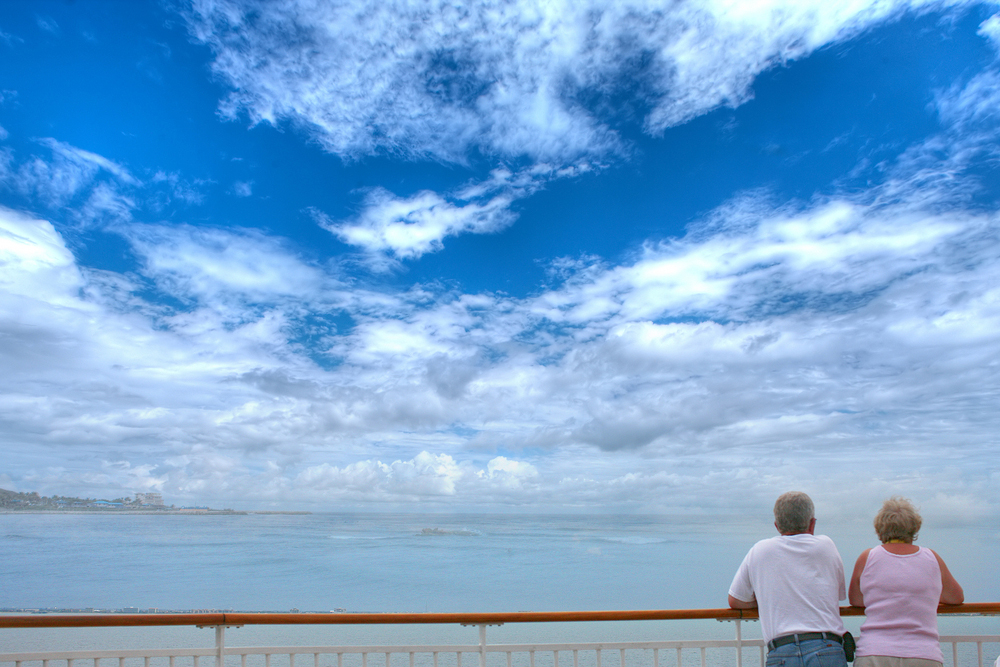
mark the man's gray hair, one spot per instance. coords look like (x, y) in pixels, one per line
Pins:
(792, 512)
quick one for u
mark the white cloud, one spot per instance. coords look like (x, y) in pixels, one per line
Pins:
(180, 189)
(990, 29)
(36, 263)
(242, 188)
(972, 108)
(87, 187)
(216, 264)
(9, 40)
(74, 172)
(47, 23)
(505, 77)
(87, 160)
(816, 258)
(409, 227)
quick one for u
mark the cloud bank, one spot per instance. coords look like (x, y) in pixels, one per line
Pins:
(833, 327)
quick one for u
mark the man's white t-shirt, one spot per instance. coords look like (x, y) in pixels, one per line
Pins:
(798, 582)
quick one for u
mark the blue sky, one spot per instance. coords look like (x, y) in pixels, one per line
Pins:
(511, 256)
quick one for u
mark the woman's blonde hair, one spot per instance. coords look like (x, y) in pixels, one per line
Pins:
(897, 520)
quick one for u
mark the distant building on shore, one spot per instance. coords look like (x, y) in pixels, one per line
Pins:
(149, 499)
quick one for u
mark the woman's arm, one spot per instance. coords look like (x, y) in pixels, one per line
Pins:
(854, 592)
(951, 591)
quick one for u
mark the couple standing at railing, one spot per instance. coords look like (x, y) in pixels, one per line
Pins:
(796, 581)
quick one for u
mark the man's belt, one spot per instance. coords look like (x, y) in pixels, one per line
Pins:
(803, 637)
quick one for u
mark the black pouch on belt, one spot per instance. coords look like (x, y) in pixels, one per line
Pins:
(849, 646)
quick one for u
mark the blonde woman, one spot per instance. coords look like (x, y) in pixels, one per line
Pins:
(900, 586)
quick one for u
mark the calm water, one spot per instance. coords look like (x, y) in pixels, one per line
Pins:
(365, 562)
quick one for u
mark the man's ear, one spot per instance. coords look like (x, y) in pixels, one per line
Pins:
(812, 526)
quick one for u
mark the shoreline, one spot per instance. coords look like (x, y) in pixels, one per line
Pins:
(179, 512)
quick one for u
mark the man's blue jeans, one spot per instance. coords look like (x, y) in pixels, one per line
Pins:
(810, 653)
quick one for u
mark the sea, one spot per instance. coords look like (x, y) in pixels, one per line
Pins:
(402, 562)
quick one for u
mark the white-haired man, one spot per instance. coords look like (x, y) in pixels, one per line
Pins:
(796, 581)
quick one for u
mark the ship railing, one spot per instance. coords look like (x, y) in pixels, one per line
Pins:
(673, 653)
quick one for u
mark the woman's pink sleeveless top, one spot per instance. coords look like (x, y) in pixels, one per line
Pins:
(901, 594)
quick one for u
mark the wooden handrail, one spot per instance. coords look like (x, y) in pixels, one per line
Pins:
(245, 618)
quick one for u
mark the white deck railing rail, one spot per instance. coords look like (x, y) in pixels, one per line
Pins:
(676, 653)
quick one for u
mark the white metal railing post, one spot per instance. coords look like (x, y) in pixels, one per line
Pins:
(482, 645)
(220, 646)
(739, 644)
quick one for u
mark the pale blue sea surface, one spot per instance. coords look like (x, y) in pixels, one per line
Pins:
(366, 562)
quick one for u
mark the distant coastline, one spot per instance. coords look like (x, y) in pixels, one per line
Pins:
(15, 502)
(132, 512)
(137, 610)
(87, 510)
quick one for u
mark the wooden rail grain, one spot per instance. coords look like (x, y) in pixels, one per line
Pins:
(492, 618)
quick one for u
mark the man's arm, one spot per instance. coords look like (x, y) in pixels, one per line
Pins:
(743, 587)
(736, 603)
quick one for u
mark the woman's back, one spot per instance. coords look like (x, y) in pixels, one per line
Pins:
(901, 594)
